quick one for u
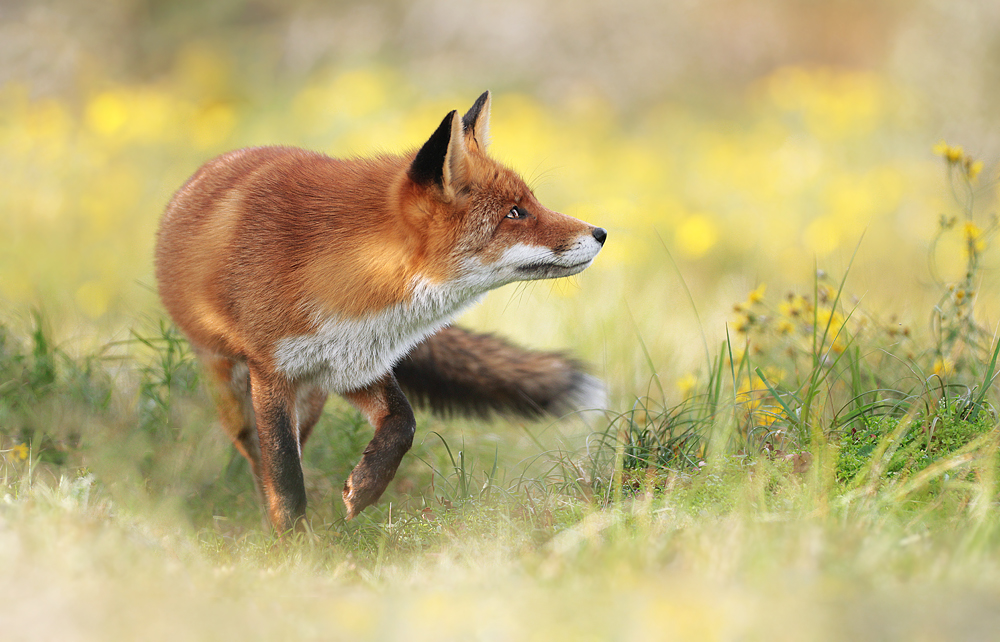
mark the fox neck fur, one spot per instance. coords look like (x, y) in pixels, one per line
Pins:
(345, 353)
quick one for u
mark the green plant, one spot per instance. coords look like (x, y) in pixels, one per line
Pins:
(814, 383)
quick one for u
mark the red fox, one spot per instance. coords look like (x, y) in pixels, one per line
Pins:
(294, 275)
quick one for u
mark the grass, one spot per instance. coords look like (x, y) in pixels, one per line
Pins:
(735, 551)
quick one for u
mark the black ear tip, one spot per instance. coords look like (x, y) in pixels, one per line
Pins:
(469, 120)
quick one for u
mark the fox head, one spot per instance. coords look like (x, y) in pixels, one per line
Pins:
(484, 216)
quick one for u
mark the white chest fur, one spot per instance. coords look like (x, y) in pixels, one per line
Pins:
(350, 353)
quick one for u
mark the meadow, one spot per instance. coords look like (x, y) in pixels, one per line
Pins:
(795, 316)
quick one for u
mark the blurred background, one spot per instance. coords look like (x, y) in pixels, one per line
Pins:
(729, 146)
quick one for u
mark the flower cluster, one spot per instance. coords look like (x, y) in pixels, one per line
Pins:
(958, 249)
(957, 158)
(794, 322)
(778, 346)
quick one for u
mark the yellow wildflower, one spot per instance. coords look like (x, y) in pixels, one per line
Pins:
(767, 415)
(757, 295)
(949, 153)
(748, 395)
(972, 168)
(943, 367)
(686, 384)
(743, 322)
(962, 296)
(973, 237)
(19, 452)
(793, 306)
(107, 113)
(829, 317)
(696, 235)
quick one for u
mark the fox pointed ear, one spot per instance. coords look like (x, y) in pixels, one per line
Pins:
(476, 122)
(441, 160)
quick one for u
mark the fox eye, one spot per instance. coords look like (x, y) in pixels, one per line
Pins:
(517, 213)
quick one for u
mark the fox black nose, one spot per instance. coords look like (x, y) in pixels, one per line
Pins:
(600, 234)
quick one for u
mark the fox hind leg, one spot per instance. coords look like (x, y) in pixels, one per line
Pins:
(280, 469)
(309, 402)
(230, 387)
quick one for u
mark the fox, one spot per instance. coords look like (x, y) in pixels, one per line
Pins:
(295, 275)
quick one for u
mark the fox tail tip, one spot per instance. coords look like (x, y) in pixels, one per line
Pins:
(587, 393)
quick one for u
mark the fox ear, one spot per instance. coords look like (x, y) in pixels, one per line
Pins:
(476, 122)
(441, 161)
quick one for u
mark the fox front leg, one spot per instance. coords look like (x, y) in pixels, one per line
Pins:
(281, 480)
(387, 409)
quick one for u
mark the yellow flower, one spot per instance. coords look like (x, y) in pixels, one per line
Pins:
(686, 384)
(943, 367)
(19, 451)
(748, 395)
(963, 296)
(949, 153)
(829, 317)
(757, 295)
(107, 113)
(972, 168)
(743, 322)
(785, 326)
(793, 306)
(973, 237)
(696, 235)
(767, 414)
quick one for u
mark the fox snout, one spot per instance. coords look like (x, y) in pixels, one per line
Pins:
(548, 263)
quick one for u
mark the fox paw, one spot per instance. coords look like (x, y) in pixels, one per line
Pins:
(362, 489)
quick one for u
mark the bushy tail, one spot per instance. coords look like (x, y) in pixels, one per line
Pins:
(456, 370)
